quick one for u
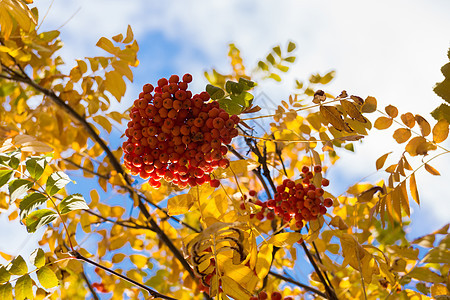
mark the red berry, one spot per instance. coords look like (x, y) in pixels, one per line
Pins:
(276, 296)
(187, 78)
(215, 183)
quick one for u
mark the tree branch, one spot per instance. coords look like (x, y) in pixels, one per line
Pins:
(331, 294)
(152, 292)
(306, 287)
(91, 289)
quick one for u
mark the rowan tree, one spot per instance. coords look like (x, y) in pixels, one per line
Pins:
(199, 198)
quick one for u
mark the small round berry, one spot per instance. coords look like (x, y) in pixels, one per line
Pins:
(276, 296)
(148, 88)
(215, 183)
(187, 78)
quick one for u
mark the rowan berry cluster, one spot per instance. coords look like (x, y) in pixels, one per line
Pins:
(176, 136)
(274, 296)
(302, 201)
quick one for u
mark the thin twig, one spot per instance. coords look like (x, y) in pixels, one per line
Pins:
(91, 289)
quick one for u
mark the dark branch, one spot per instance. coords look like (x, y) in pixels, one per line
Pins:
(304, 286)
(152, 292)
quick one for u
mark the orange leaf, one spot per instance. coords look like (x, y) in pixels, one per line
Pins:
(440, 131)
(382, 123)
(333, 116)
(352, 111)
(413, 188)
(391, 110)
(431, 170)
(425, 127)
(401, 135)
(381, 160)
(370, 105)
(408, 119)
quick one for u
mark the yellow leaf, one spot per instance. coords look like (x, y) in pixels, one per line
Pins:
(129, 37)
(381, 160)
(238, 273)
(139, 261)
(431, 170)
(107, 45)
(401, 135)
(440, 131)
(413, 188)
(117, 179)
(285, 239)
(334, 117)
(382, 123)
(104, 122)
(236, 167)
(264, 260)
(391, 110)
(439, 290)
(425, 127)
(94, 197)
(351, 250)
(123, 68)
(180, 204)
(82, 66)
(118, 38)
(425, 274)
(338, 223)
(234, 289)
(370, 105)
(408, 119)
(404, 198)
(115, 84)
(413, 144)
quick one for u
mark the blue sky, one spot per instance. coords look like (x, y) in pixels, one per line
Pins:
(392, 50)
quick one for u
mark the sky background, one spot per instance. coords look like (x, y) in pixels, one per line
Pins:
(392, 50)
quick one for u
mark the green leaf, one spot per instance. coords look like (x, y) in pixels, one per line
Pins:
(248, 84)
(11, 159)
(290, 59)
(39, 218)
(19, 187)
(56, 182)
(18, 266)
(263, 66)
(36, 165)
(24, 288)
(230, 107)
(5, 176)
(71, 203)
(30, 202)
(47, 277)
(6, 291)
(270, 59)
(214, 92)
(442, 89)
(442, 112)
(234, 87)
(37, 258)
(291, 47)
(4, 275)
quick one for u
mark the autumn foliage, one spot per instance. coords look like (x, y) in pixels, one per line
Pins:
(200, 195)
